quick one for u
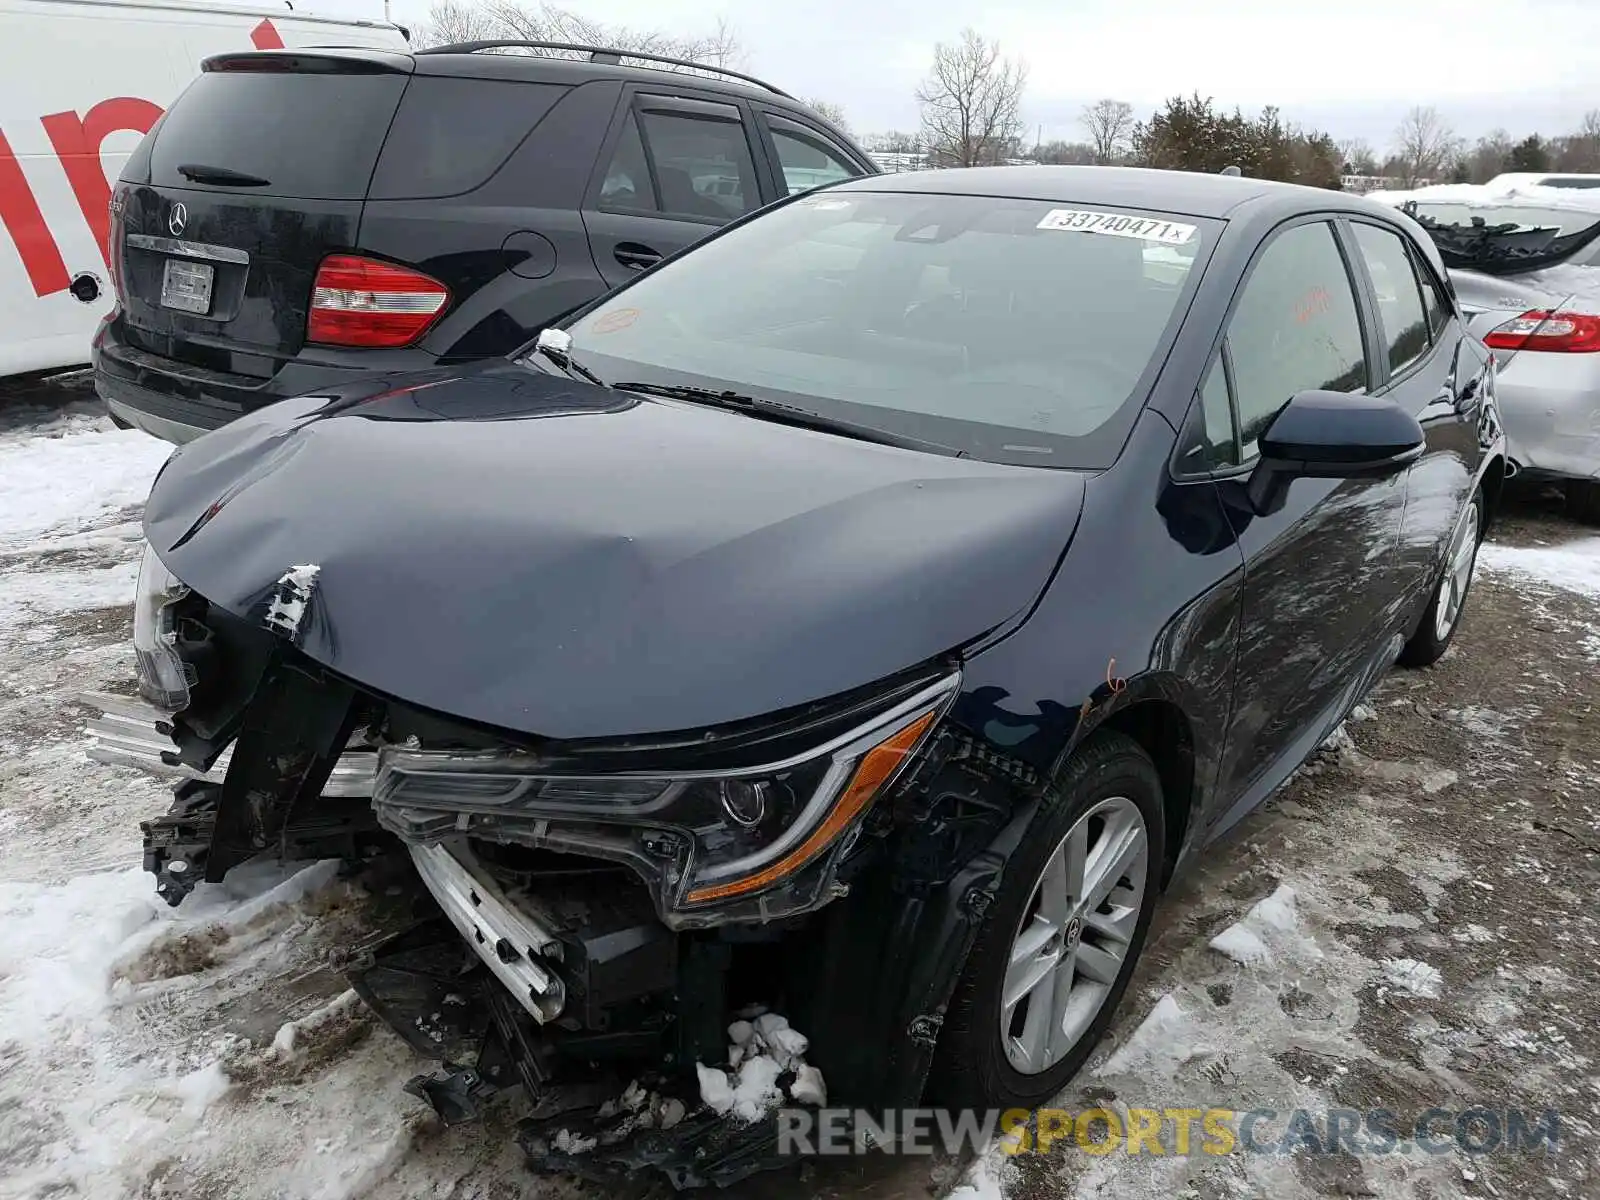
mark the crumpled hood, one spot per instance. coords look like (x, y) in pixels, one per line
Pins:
(573, 562)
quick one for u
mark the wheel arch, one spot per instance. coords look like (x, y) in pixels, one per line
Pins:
(1163, 730)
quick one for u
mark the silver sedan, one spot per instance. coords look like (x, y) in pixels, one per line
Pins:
(1526, 267)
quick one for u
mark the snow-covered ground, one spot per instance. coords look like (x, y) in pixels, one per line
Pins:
(1365, 935)
(146, 1051)
(1573, 565)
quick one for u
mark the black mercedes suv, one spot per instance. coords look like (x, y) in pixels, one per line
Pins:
(301, 217)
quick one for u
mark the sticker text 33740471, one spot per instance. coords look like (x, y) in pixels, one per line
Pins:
(1146, 229)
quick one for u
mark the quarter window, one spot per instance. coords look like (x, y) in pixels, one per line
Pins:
(1296, 328)
(1218, 449)
(806, 162)
(1400, 304)
(627, 182)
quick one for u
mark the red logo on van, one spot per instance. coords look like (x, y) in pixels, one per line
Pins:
(77, 142)
(265, 36)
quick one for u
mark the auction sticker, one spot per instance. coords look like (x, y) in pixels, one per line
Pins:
(617, 318)
(1146, 229)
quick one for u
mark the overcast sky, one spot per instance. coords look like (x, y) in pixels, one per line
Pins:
(1351, 67)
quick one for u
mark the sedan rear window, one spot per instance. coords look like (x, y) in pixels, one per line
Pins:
(1012, 330)
(311, 135)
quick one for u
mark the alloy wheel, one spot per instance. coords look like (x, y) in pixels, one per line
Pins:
(1074, 935)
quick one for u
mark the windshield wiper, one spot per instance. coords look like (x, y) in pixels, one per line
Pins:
(221, 176)
(556, 345)
(787, 414)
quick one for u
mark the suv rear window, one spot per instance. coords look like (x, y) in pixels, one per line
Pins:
(451, 135)
(313, 136)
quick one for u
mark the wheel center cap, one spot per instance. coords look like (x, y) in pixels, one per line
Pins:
(1074, 931)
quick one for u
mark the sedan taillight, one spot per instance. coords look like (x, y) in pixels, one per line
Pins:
(362, 302)
(1561, 332)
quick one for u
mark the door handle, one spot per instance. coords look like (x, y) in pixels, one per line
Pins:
(636, 257)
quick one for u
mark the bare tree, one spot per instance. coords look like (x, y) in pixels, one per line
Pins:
(460, 21)
(1110, 126)
(829, 111)
(1488, 157)
(453, 21)
(1357, 155)
(1058, 152)
(895, 141)
(971, 102)
(1425, 146)
(1582, 149)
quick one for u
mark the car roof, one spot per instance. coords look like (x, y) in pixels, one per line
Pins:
(545, 67)
(539, 68)
(1191, 193)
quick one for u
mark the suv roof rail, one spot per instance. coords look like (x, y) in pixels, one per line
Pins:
(602, 54)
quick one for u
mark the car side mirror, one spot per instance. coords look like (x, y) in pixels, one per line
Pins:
(1332, 435)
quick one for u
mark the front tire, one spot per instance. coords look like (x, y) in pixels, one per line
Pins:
(1062, 936)
(1449, 600)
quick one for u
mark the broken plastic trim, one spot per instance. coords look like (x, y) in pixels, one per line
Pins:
(132, 732)
(164, 678)
(703, 864)
(1503, 249)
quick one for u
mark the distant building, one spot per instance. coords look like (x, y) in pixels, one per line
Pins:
(1361, 184)
(894, 161)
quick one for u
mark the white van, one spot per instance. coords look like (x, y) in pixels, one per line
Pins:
(80, 82)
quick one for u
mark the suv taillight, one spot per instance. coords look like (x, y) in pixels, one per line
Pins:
(362, 302)
(1562, 332)
(114, 231)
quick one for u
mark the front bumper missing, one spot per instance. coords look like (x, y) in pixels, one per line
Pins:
(132, 732)
(508, 938)
(573, 985)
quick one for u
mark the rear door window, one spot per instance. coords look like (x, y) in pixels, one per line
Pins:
(451, 135)
(1400, 305)
(1296, 328)
(701, 159)
(312, 135)
(805, 159)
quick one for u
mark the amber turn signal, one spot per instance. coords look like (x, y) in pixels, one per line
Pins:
(876, 767)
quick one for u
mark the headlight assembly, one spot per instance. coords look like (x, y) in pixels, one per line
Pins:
(164, 678)
(754, 844)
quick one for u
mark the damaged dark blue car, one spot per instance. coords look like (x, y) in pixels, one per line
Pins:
(862, 616)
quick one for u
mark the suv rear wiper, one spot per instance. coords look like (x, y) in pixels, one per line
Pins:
(787, 414)
(221, 176)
